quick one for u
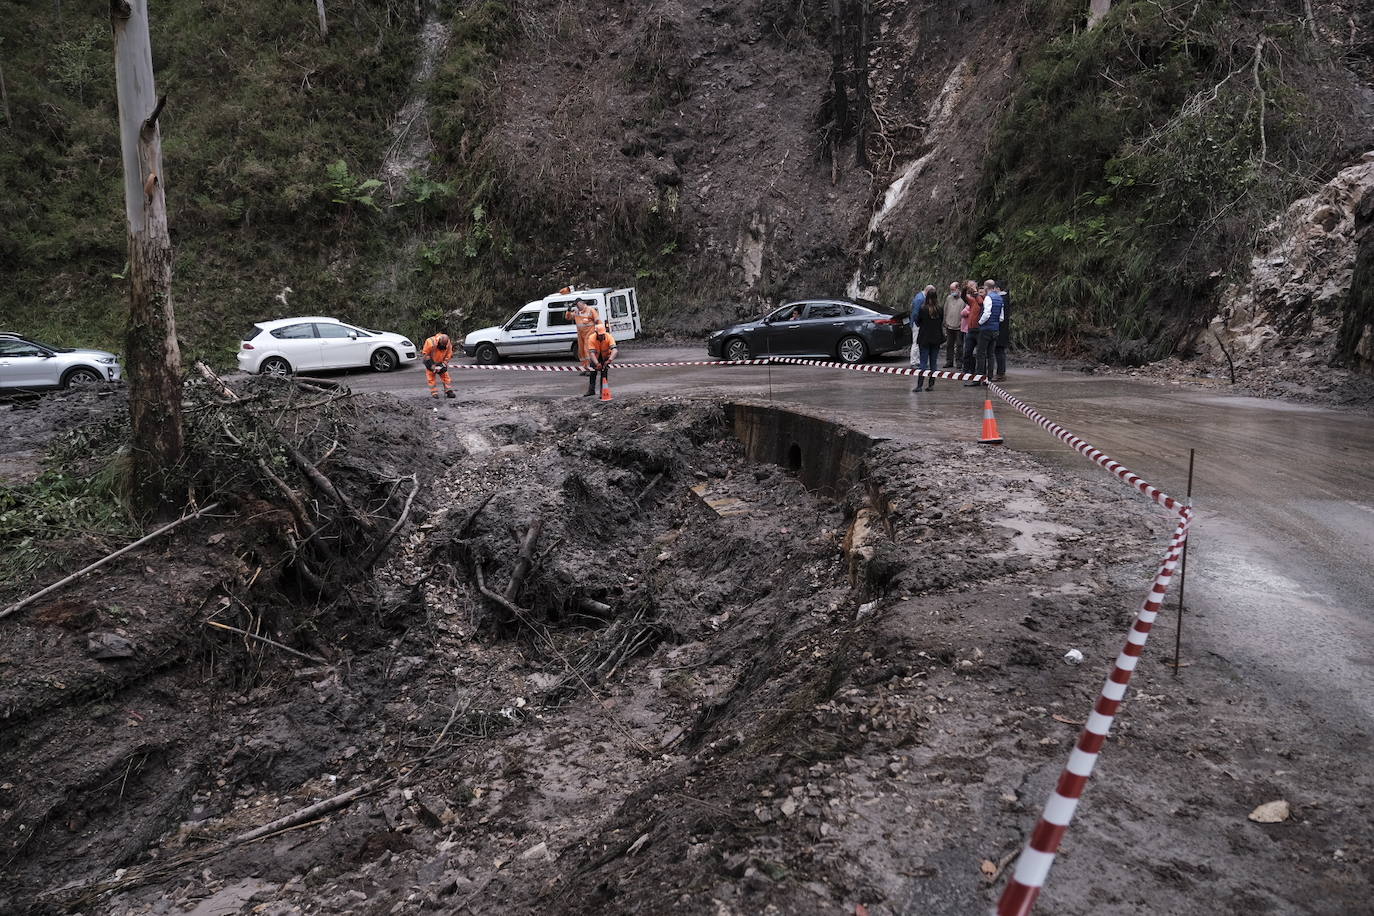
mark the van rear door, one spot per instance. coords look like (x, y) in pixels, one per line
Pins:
(622, 315)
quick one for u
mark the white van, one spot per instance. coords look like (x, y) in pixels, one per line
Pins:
(542, 328)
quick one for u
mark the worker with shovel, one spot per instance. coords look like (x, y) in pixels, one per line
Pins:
(601, 351)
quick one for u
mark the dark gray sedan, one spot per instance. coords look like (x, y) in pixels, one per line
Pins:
(850, 330)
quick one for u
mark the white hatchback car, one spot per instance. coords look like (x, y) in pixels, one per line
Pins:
(299, 344)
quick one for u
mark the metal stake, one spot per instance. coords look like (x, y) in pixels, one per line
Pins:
(1183, 577)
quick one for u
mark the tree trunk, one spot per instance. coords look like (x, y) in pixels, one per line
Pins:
(324, 25)
(861, 101)
(5, 98)
(839, 103)
(152, 358)
(1097, 9)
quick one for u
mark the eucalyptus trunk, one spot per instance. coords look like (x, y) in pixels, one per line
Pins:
(152, 356)
(1097, 9)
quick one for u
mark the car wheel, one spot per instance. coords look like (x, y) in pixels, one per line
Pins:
(736, 348)
(852, 349)
(576, 353)
(275, 366)
(81, 378)
(385, 360)
(487, 356)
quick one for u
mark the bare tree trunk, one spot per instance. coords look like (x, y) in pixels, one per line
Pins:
(153, 358)
(840, 100)
(861, 100)
(324, 25)
(5, 98)
(1097, 9)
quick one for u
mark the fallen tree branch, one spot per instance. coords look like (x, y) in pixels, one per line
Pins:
(270, 642)
(311, 812)
(215, 381)
(377, 551)
(325, 485)
(523, 561)
(1227, 353)
(651, 484)
(472, 516)
(596, 607)
(497, 598)
(104, 560)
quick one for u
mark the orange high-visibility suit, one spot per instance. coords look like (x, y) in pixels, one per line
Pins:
(600, 351)
(438, 350)
(586, 319)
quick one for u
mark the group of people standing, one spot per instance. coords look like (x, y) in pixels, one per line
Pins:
(971, 322)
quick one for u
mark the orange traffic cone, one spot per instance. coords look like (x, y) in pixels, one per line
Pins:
(990, 434)
(605, 392)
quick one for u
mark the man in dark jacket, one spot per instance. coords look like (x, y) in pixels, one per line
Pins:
(1003, 337)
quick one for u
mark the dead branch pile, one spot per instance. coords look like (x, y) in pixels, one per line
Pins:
(281, 444)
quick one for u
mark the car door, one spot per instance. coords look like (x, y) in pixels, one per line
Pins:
(298, 344)
(783, 330)
(522, 334)
(26, 365)
(341, 347)
(822, 327)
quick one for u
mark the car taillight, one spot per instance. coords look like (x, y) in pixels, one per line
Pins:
(247, 345)
(887, 321)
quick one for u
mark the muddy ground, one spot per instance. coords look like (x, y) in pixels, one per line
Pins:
(715, 691)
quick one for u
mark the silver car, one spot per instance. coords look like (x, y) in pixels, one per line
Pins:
(26, 363)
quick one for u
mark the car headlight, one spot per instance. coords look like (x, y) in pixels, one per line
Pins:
(715, 334)
(405, 342)
(107, 360)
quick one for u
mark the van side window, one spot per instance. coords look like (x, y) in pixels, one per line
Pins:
(525, 321)
(620, 307)
(558, 312)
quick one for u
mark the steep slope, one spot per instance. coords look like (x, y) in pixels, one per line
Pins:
(440, 161)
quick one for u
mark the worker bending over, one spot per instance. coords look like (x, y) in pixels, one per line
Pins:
(438, 350)
(601, 351)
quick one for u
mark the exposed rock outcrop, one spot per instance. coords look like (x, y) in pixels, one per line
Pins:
(1291, 308)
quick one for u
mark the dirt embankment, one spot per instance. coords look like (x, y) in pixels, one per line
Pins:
(711, 691)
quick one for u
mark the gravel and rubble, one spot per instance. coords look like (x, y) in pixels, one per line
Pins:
(690, 703)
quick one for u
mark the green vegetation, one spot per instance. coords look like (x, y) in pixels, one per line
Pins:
(1135, 165)
(272, 144)
(63, 506)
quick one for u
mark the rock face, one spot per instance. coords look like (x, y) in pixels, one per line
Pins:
(1291, 308)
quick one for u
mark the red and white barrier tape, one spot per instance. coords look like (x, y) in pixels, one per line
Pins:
(542, 367)
(881, 370)
(1033, 865)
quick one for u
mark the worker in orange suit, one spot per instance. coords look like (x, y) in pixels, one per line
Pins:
(601, 350)
(438, 350)
(586, 317)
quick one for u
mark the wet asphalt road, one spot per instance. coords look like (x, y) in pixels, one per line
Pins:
(1281, 559)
